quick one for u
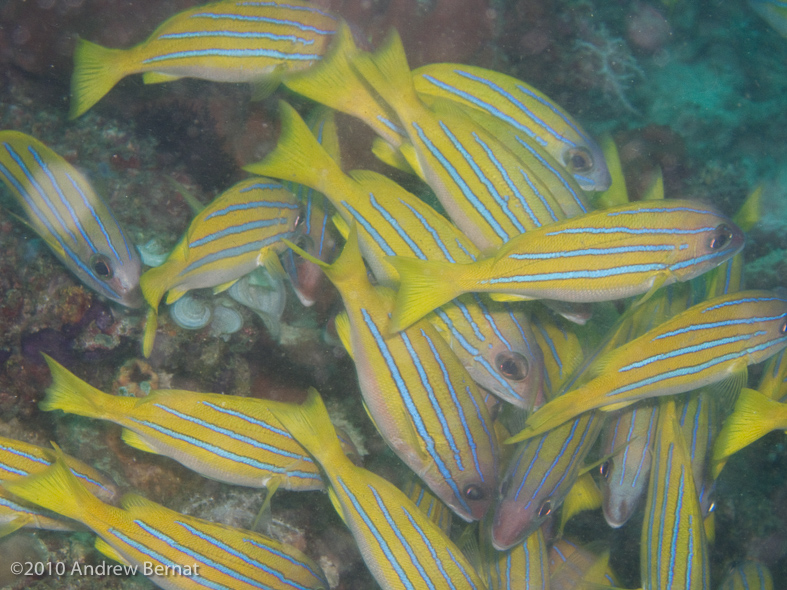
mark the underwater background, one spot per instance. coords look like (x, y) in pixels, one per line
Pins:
(695, 89)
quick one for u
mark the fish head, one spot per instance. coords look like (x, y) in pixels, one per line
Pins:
(114, 275)
(518, 372)
(620, 500)
(588, 166)
(474, 498)
(516, 517)
(719, 240)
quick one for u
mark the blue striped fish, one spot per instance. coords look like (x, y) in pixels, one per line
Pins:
(401, 546)
(70, 217)
(257, 41)
(240, 230)
(188, 552)
(532, 117)
(489, 193)
(708, 343)
(700, 421)
(575, 567)
(421, 399)
(227, 438)
(16, 514)
(538, 477)
(673, 552)
(494, 343)
(627, 440)
(604, 255)
(523, 566)
(750, 575)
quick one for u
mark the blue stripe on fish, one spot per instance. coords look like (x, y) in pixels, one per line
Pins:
(630, 230)
(238, 229)
(592, 251)
(312, 9)
(238, 35)
(432, 232)
(145, 550)
(577, 274)
(468, 194)
(396, 227)
(369, 228)
(381, 542)
(407, 399)
(711, 325)
(539, 196)
(283, 555)
(232, 252)
(262, 19)
(247, 418)
(218, 52)
(232, 434)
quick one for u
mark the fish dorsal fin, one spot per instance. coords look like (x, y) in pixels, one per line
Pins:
(131, 501)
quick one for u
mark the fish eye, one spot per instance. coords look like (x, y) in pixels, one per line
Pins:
(579, 160)
(474, 492)
(722, 236)
(545, 509)
(512, 365)
(712, 507)
(100, 265)
(604, 469)
(783, 327)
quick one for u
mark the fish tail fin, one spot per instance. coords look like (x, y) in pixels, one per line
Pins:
(298, 156)
(310, 425)
(424, 285)
(155, 282)
(56, 489)
(74, 396)
(388, 72)
(754, 416)
(349, 266)
(96, 70)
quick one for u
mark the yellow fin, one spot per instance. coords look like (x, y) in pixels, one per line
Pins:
(751, 210)
(154, 283)
(584, 495)
(74, 396)
(268, 84)
(616, 194)
(424, 286)
(754, 416)
(616, 407)
(341, 225)
(56, 489)
(508, 297)
(342, 323)
(658, 283)
(551, 415)
(411, 157)
(174, 294)
(96, 70)
(269, 258)
(710, 527)
(158, 78)
(656, 189)
(133, 439)
(348, 266)
(224, 286)
(132, 500)
(298, 155)
(336, 504)
(149, 334)
(390, 155)
(108, 550)
(15, 524)
(264, 513)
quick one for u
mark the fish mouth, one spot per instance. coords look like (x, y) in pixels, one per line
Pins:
(132, 298)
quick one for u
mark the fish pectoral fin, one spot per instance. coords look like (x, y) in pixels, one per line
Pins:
(15, 524)
(508, 297)
(390, 155)
(224, 286)
(411, 157)
(106, 549)
(336, 504)
(270, 260)
(342, 323)
(158, 78)
(264, 513)
(658, 283)
(133, 439)
(265, 86)
(727, 389)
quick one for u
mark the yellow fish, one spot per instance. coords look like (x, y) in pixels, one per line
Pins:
(401, 546)
(604, 255)
(173, 550)
(228, 41)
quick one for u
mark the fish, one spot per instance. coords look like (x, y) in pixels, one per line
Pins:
(255, 41)
(749, 575)
(700, 420)
(429, 504)
(572, 566)
(71, 218)
(531, 115)
(494, 343)
(537, 478)
(227, 438)
(627, 441)
(419, 396)
(774, 12)
(19, 459)
(488, 192)
(673, 548)
(610, 254)
(523, 566)
(240, 230)
(710, 342)
(173, 550)
(773, 382)
(401, 546)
